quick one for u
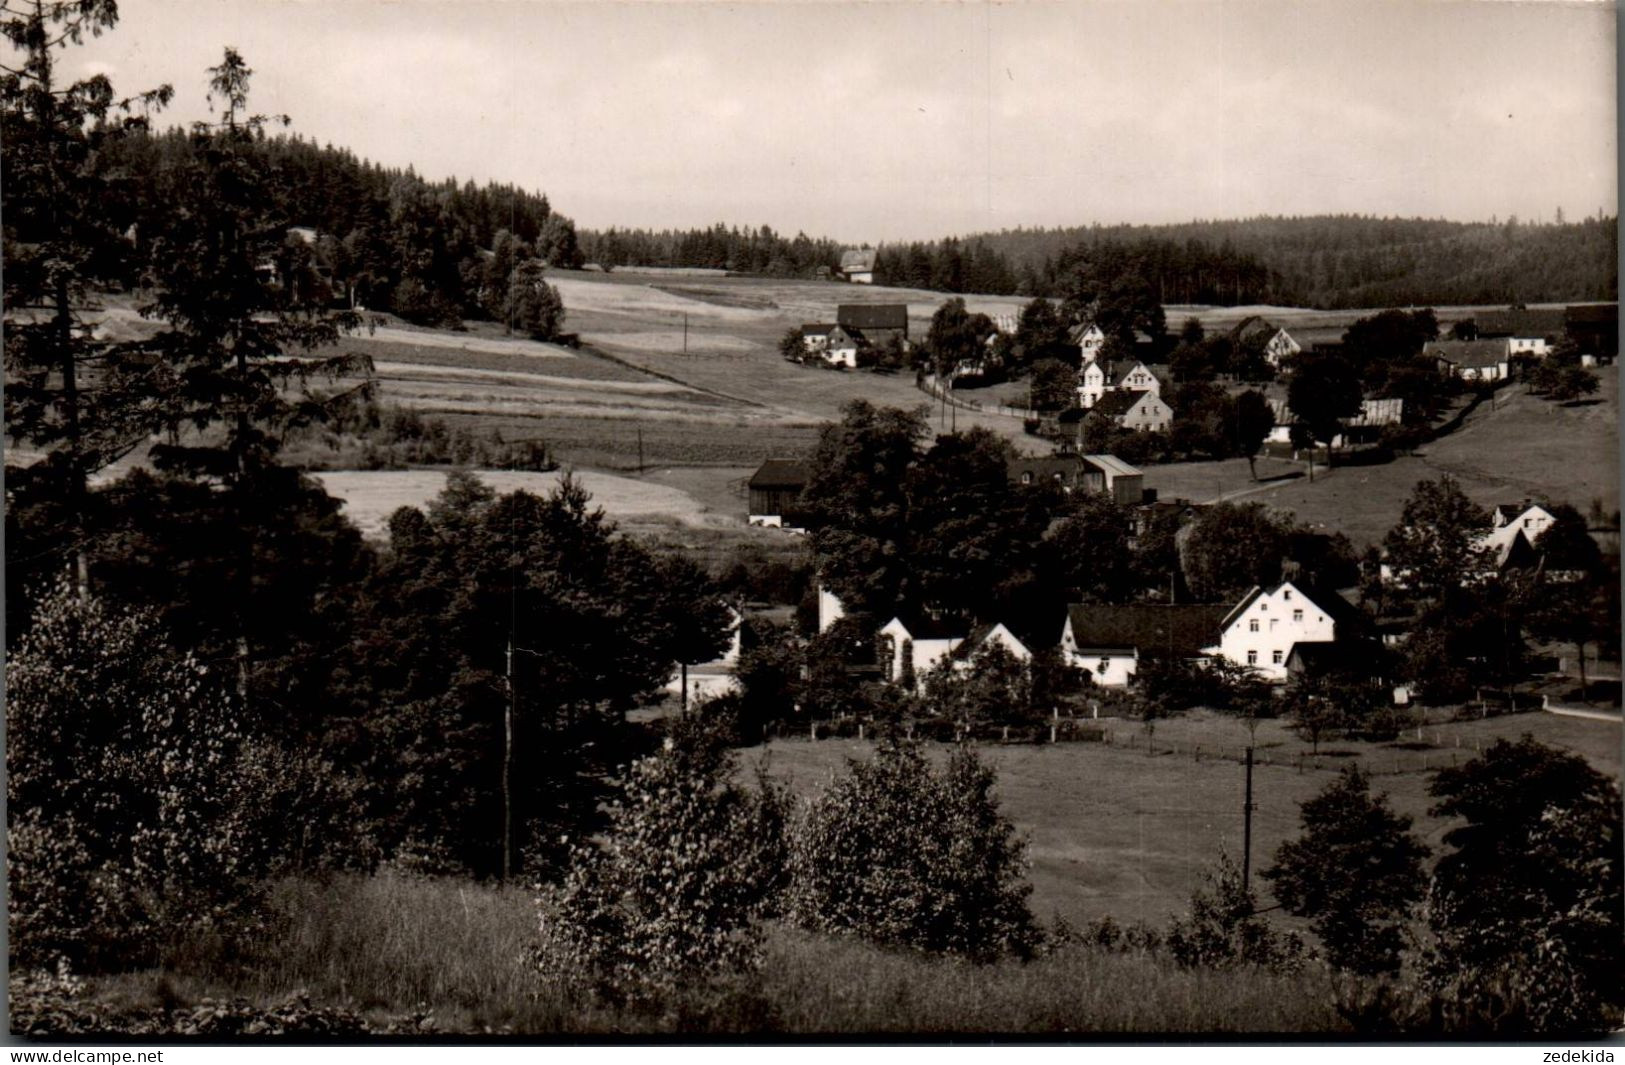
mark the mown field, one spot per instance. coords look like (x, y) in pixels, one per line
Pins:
(1116, 831)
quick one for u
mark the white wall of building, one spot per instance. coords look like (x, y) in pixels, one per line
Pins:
(1261, 636)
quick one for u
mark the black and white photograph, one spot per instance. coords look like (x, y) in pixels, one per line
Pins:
(895, 522)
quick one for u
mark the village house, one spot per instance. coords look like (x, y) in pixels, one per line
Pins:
(1366, 427)
(774, 491)
(920, 645)
(1472, 360)
(1089, 339)
(1110, 641)
(875, 322)
(1097, 377)
(1531, 332)
(1258, 633)
(707, 680)
(858, 265)
(1514, 528)
(1281, 348)
(836, 344)
(1140, 411)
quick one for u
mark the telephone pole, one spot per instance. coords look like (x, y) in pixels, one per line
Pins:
(507, 771)
(1247, 806)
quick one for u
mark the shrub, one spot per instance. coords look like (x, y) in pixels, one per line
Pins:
(130, 824)
(895, 853)
(690, 865)
(1224, 931)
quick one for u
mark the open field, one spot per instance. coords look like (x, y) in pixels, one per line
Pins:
(371, 496)
(1113, 830)
(1521, 447)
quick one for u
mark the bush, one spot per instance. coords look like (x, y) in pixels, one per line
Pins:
(131, 824)
(689, 866)
(1223, 929)
(895, 853)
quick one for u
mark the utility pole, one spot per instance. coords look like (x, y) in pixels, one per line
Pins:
(1247, 826)
(507, 771)
(640, 449)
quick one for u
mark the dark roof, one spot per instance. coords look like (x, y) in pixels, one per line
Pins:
(1118, 403)
(780, 473)
(1524, 323)
(1044, 469)
(1472, 354)
(1155, 629)
(1592, 313)
(817, 327)
(873, 315)
(1319, 658)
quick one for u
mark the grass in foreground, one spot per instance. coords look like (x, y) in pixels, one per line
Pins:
(392, 944)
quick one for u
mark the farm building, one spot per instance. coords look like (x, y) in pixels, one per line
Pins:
(1089, 339)
(1140, 411)
(775, 490)
(1594, 327)
(1109, 475)
(1262, 629)
(916, 645)
(1374, 416)
(1472, 360)
(1532, 332)
(858, 265)
(994, 635)
(877, 322)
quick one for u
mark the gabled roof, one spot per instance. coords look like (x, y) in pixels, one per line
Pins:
(978, 636)
(780, 473)
(1470, 354)
(858, 259)
(1507, 512)
(1156, 630)
(1118, 403)
(1112, 465)
(1545, 322)
(818, 328)
(923, 627)
(1329, 603)
(872, 315)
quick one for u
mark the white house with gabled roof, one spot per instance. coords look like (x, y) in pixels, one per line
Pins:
(1260, 631)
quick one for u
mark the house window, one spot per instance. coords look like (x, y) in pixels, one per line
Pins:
(1027, 477)
(1287, 594)
(1105, 665)
(1252, 625)
(1275, 657)
(1297, 615)
(1252, 658)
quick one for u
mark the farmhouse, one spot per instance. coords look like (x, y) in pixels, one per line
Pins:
(1511, 523)
(775, 490)
(1140, 411)
(858, 265)
(876, 322)
(1472, 360)
(1532, 332)
(1262, 629)
(1089, 339)
(986, 636)
(1110, 641)
(1258, 633)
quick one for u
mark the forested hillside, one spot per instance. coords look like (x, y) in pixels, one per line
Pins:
(385, 239)
(1343, 260)
(1329, 261)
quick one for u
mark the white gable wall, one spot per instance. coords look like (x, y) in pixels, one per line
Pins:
(1110, 668)
(1262, 635)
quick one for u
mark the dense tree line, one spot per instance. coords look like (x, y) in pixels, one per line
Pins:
(1344, 260)
(386, 239)
(720, 247)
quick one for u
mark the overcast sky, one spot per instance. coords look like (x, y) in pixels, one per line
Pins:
(885, 121)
